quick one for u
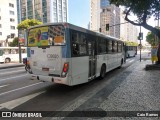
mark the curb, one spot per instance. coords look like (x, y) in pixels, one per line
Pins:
(11, 66)
(152, 67)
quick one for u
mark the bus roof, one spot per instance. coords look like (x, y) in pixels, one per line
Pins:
(74, 27)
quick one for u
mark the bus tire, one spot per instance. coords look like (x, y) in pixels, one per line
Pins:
(7, 60)
(103, 71)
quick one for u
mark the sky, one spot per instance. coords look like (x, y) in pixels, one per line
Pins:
(79, 12)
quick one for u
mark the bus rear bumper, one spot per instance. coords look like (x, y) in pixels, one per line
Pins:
(49, 79)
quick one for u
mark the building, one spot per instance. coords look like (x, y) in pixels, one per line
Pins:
(95, 15)
(43, 10)
(8, 21)
(128, 31)
(110, 15)
(103, 13)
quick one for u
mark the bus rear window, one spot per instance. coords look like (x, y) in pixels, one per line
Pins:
(46, 36)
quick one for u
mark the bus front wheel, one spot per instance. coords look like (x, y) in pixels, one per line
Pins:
(7, 60)
(103, 71)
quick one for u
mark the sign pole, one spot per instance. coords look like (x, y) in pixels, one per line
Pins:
(140, 44)
(19, 45)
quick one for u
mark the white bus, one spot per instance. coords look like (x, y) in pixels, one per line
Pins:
(67, 54)
(131, 51)
(11, 54)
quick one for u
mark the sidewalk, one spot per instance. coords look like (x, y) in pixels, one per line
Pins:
(135, 90)
(10, 65)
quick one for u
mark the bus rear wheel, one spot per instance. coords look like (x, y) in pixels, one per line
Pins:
(7, 60)
(103, 72)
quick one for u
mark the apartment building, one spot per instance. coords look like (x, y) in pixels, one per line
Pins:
(95, 15)
(8, 21)
(128, 32)
(103, 13)
(43, 10)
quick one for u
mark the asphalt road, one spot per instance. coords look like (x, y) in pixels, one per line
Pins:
(19, 93)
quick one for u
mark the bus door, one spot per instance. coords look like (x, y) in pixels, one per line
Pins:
(92, 59)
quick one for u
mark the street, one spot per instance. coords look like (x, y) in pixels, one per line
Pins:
(19, 93)
(16, 85)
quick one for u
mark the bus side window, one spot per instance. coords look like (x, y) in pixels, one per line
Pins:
(75, 49)
(109, 46)
(114, 46)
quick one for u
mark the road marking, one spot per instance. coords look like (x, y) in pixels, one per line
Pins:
(11, 72)
(14, 103)
(131, 60)
(19, 88)
(4, 85)
(12, 77)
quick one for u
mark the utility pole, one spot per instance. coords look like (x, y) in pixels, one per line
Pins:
(19, 46)
(140, 44)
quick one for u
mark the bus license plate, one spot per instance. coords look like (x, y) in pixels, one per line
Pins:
(45, 69)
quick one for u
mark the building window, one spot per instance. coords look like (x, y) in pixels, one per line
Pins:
(13, 27)
(0, 25)
(0, 17)
(12, 20)
(0, 33)
(11, 12)
(11, 5)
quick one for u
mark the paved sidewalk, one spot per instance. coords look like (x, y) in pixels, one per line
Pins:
(135, 90)
(10, 65)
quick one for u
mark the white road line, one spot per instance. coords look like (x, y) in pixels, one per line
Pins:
(12, 77)
(19, 88)
(10, 72)
(12, 68)
(14, 103)
(131, 60)
(4, 85)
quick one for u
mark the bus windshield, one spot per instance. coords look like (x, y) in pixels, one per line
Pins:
(1, 52)
(46, 36)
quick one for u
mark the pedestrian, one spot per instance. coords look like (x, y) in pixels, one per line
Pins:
(154, 57)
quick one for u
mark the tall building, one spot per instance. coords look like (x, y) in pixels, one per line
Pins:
(95, 15)
(110, 15)
(128, 31)
(43, 10)
(8, 21)
(103, 13)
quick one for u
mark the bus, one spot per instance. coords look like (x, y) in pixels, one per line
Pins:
(67, 54)
(11, 54)
(131, 51)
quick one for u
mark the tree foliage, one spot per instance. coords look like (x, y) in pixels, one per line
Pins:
(28, 23)
(14, 43)
(151, 39)
(129, 43)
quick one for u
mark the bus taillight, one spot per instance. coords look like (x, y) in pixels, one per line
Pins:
(65, 69)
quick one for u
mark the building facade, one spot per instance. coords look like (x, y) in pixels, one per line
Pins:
(128, 31)
(110, 15)
(8, 21)
(103, 13)
(43, 10)
(95, 15)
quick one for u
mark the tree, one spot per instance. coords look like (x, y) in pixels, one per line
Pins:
(143, 9)
(14, 43)
(129, 43)
(150, 38)
(28, 23)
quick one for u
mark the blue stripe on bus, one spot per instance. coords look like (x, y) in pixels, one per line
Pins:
(66, 50)
(28, 52)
